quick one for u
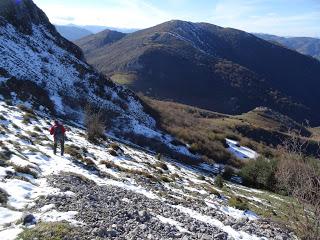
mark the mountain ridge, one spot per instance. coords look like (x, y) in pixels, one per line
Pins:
(305, 45)
(164, 61)
(72, 33)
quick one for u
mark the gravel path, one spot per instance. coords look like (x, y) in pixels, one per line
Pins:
(113, 212)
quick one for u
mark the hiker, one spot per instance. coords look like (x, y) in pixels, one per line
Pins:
(58, 132)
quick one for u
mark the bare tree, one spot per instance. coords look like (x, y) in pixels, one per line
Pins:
(94, 123)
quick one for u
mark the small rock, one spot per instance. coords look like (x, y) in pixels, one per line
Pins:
(205, 237)
(221, 236)
(29, 219)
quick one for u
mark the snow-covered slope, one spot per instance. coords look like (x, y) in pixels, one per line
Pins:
(41, 67)
(113, 190)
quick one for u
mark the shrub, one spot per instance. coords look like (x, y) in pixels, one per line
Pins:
(48, 231)
(228, 172)
(95, 126)
(260, 173)
(218, 181)
(238, 203)
(299, 176)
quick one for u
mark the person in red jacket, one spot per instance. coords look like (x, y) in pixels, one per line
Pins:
(58, 132)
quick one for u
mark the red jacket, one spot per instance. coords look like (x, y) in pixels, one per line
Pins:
(54, 127)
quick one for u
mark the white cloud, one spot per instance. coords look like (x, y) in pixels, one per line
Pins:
(250, 16)
(125, 13)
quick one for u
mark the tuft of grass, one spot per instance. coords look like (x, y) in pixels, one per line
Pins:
(88, 161)
(175, 176)
(3, 197)
(25, 169)
(28, 117)
(165, 179)
(5, 154)
(162, 165)
(32, 134)
(25, 109)
(113, 153)
(48, 231)
(238, 203)
(37, 129)
(218, 181)
(114, 146)
(24, 138)
(109, 164)
(201, 177)
(73, 151)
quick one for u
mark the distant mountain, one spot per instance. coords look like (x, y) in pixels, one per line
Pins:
(215, 68)
(96, 29)
(94, 42)
(305, 45)
(72, 32)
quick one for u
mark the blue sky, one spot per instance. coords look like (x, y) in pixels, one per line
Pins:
(281, 17)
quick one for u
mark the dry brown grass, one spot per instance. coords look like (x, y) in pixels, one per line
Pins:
(299, 176)
(261, 129)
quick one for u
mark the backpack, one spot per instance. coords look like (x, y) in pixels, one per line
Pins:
(58, 133)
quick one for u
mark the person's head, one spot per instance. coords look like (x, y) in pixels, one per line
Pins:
(56, 122)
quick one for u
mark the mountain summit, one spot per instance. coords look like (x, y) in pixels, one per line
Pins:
(211, 67)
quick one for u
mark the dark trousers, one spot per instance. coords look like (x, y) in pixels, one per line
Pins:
(55, 145)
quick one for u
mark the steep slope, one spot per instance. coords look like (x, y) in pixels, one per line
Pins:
(41, 67)
(305, 45)
(94, 42)
(113, 190)
(72, 33)
(215, 68)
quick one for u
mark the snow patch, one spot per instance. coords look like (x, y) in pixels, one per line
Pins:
(240, 151)
(172, 222)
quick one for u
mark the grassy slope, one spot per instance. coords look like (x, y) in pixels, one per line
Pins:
(260, 129)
